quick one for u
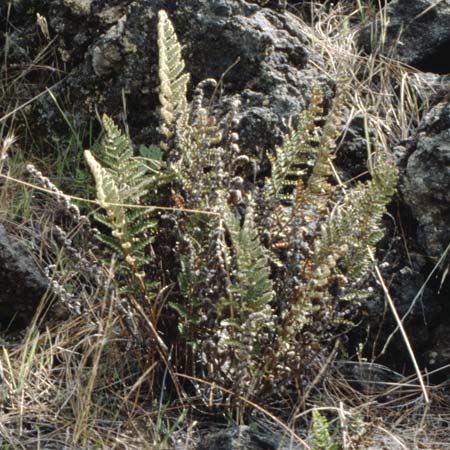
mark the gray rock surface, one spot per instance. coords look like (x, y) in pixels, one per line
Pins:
(425, 180)
(351, 158)
(112, 50)
(420, 27)
(22, 285)
(431, 87)
(244, 438)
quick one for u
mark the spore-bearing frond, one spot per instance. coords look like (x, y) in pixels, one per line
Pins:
(173, 82)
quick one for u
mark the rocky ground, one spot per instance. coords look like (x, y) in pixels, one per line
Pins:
(98, 57)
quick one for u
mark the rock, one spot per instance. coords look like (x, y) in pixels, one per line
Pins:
(22, 283)
(244, 438)
(408, 22)
(82, 7)
(438, 357)
(418, 303)
(112, 56)
(352, 154)
(430, 87)
(425, 180)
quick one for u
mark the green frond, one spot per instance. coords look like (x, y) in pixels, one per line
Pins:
(103, 219)
(341, 249)
(357, 222)
(143, 244)
(252, 272)
(198, 153)
(297, 151)
(321, 439)
(115, 145)
(140, 222)
(110, 242)
(121, 182)
(117, 157)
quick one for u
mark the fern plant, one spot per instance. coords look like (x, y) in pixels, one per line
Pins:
(322, 235)
(262, 273)
(321, 439)
(173, 82)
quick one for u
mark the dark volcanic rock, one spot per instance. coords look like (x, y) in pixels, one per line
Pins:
(22, 283)
(417, 33)
(425, 180)
(112, 51)
(352, 154)
(244, 438)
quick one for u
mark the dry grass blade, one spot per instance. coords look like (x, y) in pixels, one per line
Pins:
(402, 329)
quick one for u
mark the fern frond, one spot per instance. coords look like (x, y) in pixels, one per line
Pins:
(108, 195)
(357, 222)
(245, 323)
(252, 272)
(198, 165)
(121, 183)
(296, 152)
(191, 132)
(321, 439)
(173, 82)
(318, 182)
(341, 249)
(117, 158)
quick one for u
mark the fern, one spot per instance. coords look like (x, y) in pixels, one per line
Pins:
(190, 135)
(296, 153)
(321, 439)
(197, 151)
(173, 82)
(121, 183)
(247, 315)
(245, 323)
(320, 248)
(252, 273)
(356, 224)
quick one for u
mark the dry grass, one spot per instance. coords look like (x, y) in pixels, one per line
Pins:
(78, 380)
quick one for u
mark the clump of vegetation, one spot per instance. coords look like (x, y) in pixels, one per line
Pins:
(262, 281)
(248, 315)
